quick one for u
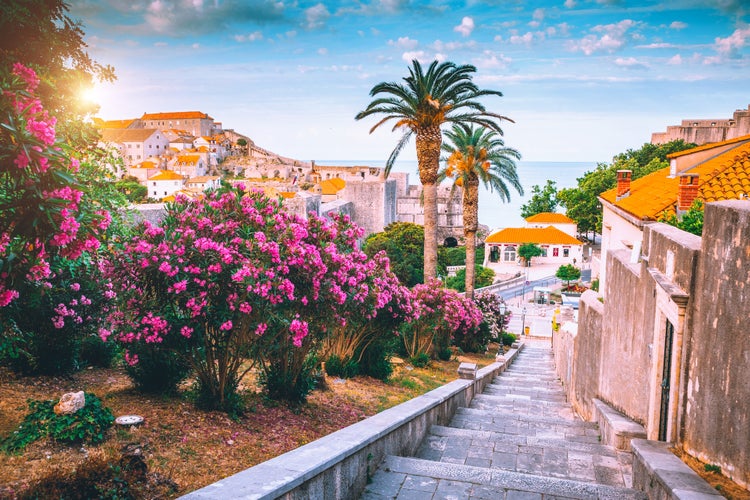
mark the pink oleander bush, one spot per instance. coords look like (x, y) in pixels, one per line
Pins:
(441, 315)
(232, 282)
(50, 231)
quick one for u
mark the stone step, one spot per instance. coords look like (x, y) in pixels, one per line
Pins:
(545, 456)
(536, 393)
(570, 431)
(517, 379)
(509, 417)
(523, 405)
(415, 478)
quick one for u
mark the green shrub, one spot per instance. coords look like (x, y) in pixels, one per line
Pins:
(158, 370)
(282, 384)
(375, 359)
(343, 368)
(508, 339)
(476, 340)
(96, 352)
(420, 360)
(445, 354)
(88, 424)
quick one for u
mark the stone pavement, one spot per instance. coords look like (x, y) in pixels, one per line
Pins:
(519, 440)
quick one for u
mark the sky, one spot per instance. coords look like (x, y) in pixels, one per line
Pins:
(582, 80)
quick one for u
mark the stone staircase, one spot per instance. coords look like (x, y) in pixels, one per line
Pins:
(520, 439)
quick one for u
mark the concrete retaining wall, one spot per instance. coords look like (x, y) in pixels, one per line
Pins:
(337, 466)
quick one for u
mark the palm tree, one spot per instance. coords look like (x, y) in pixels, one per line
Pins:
(444, 93)
(478, 155)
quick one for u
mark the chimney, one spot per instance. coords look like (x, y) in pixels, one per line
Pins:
(688, 191)
(623, 183)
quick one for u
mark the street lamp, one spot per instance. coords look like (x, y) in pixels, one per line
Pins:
(523, 321)
(503, 310)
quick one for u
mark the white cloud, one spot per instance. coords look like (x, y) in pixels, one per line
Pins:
(441, 46)
(678, 25)
(537, 17)
(570, 4)
(675, 60)
(404, 43)
(196, 46)
(526, 38)
(660, 45)
(630, 63)
(410, 55)
(322, 51)
(466, 26)
(316, 16)
(490, 60)
(613, 38)
(729, 46)
(251, 37)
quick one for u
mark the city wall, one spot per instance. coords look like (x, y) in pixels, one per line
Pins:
(693, 391)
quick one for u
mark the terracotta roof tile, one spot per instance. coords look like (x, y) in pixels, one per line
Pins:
(332, 186)
(539, 235)
(166, 175)
(550, 218)
(723, 177)
(177, 115)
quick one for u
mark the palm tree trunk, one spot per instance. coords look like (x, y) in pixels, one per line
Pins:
(428, 159)
(471, 224)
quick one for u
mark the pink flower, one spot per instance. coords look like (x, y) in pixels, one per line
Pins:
(226, 326)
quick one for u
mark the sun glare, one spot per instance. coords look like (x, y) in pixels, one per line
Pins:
(91, 94)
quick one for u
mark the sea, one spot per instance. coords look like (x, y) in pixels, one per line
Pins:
(493, 212)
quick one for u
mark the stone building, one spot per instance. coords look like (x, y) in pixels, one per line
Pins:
(703, 131)
(667, 346)
(712, 172)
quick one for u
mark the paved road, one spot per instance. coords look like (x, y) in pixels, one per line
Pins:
(518, 440)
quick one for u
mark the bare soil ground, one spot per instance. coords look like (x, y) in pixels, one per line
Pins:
(186, 448)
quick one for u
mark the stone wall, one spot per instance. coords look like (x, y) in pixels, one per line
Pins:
(624, 356)
(717, 414)
(699, 288)
(704, 131)
(374, 203)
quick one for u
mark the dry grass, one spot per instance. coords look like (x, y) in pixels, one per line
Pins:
(723, 484)
(194, 448)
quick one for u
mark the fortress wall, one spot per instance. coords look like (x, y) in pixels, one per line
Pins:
(717, 412)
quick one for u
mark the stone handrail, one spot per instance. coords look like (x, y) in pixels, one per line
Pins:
(501, 285)
(338, 465)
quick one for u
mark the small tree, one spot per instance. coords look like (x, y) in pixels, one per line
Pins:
(543, 199)
(691, 221)
(568, 273)
(529, 250)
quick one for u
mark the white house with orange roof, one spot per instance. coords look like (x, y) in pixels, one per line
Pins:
(164, 184)
(712, 172)
(135, 144)
(145, 169)
(203, 182)
(189, 164)
(552, 232)
(554, 219)
(196, 123)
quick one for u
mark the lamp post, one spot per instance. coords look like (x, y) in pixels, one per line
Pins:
(523, 321)
(503, 310)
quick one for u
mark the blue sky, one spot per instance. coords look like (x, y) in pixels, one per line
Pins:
(583, 79)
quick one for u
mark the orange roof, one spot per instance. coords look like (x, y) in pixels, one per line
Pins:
(723, 177)
(113, 123)
(332, 186)
(550, 218)
(710, 145)
(166, 175)
(178, 115)
(189, 159)
(287, 194)
(540, 235)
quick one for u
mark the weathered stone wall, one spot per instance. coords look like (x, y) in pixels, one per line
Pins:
(374, 203)
(717, 413)
(587, 355)
(626, 334)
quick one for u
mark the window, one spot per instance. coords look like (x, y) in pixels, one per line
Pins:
(154, 193)
(130, 146)
(555, 252)
(154, 185)
(544, 250)
(509, 254)
(566, 252)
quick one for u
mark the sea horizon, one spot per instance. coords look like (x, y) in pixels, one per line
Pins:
(492, 211)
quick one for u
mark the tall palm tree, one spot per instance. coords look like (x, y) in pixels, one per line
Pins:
(478, 155)
(444, 93)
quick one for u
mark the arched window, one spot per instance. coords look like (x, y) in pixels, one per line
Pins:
(509, 254)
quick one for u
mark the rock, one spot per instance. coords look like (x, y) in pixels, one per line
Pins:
(70, 403)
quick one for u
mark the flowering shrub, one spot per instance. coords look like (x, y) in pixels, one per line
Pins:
(50, 229)
(495, 315)
(231, 282)
(40, 200)
(440, 315)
